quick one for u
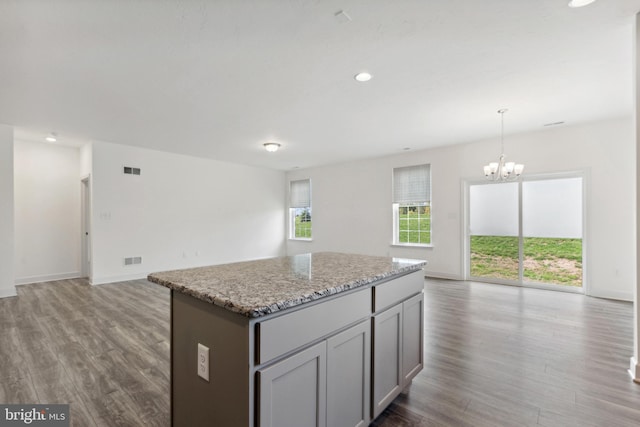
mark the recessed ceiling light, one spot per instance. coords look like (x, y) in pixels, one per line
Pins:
(271, 146)
(363, 77)
(580, 3)
(52, 137)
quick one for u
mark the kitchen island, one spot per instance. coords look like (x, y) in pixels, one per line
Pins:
(324, 339)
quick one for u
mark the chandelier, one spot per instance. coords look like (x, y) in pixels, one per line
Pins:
(502, 170)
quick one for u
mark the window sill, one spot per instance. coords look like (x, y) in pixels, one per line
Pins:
(300, 239)
(411, 245)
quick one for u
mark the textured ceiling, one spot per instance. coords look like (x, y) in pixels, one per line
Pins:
(219, 78)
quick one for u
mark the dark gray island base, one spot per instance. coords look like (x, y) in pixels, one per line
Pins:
(323, 339)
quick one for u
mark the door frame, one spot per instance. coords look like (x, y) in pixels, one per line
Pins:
(86, 265)
(584, 174)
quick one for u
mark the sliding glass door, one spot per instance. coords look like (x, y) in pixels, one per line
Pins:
(552, 231)
(527, 233)
(494, 231)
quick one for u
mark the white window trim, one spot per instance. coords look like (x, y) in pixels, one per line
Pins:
(292, 225)
(396, 231)
(292, 219)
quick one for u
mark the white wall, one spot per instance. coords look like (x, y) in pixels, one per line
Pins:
(47, 212)
(7, 287)
(180, 212)
(85, 160)
(352, 202)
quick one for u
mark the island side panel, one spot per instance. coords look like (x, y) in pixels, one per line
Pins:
(224, 400)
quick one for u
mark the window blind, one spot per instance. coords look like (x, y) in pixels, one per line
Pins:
(412, 184)
(300, 194)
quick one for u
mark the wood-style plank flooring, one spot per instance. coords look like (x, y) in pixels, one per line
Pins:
(494, 356)
(509, 356)
(103, 349)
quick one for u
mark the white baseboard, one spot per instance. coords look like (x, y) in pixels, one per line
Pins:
(437, 275)
(617, 295)
(47, 278)
(634, 370)
(8, 292)
(113, 279)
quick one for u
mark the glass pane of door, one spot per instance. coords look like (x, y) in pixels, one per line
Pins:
(494, 231)
(552, 231)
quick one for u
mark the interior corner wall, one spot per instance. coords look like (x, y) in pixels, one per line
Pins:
(47, 212)
(85, 160)
(180, 212)
(352, 202)
(7, 287)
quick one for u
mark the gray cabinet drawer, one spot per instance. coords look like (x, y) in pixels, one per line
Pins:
(397, 290)
(282, 334)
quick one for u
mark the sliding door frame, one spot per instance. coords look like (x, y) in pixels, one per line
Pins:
(584, 174)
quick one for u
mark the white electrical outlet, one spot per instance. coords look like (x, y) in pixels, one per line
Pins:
(203, 362)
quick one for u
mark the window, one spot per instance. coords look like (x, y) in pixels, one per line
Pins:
(412, 205)
(300, 209)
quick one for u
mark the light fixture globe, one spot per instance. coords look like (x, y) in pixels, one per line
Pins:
(271, 146)
(52, 137)
(502, 170)
(580, 3)
(363, 77)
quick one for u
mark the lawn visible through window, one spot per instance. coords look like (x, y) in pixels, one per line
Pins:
(546, 260)
(302, 224)
(414, 224)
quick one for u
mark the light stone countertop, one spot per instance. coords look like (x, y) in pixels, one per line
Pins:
(257, 288)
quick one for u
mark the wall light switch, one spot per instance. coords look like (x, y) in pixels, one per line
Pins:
(203, 362)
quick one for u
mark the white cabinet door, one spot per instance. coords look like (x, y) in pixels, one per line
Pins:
(348, 377)
(293, 391)
(412, 337)
(387, 357)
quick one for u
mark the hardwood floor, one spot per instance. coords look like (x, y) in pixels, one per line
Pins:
(494, 356)
(104, 349)
(508, 356)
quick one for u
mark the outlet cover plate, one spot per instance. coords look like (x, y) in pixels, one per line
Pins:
(203, 362)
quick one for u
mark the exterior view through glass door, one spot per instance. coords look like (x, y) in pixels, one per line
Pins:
(527, 232)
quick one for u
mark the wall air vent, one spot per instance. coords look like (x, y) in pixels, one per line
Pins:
(133, 260)
(131, 171)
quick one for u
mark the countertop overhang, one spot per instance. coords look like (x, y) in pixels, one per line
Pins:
(261, 287)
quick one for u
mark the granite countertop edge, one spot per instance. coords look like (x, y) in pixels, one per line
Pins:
(253, 312)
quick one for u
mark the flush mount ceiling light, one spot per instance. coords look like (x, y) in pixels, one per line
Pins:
(363, 76)
(52, 137)
(271, 146)
(580, 3)
(501, 171)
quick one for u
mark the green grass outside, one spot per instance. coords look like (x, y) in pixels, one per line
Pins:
(546, 260)
(414, 224)
(302, 228)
